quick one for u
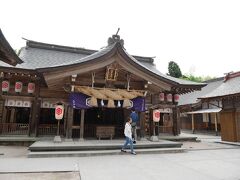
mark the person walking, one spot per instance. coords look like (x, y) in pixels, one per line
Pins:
(128, 135)
(134, 117)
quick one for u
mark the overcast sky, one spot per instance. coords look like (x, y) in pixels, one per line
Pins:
(202, 36)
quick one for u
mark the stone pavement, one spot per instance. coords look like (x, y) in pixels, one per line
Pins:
(197, 165)
(41, 176)
(205, 160)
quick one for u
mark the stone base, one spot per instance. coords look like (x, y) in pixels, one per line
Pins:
(154, 138)
(57, 139)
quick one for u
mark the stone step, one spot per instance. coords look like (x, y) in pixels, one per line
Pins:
(179, 138)
(98, 145)
(48, 154)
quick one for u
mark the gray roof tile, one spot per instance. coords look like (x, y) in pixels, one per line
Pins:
(192, 98)
(228, 87)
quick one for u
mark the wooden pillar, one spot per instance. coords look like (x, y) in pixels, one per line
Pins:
(65, 120)
(82, 124)
(34, 120)
(142, 124)
(4, 117)
(151, 123)
(193, 129)
(35, 112)
(12, 116)
(215, 119)
(2, 107)
(69, 123)
(176, 121)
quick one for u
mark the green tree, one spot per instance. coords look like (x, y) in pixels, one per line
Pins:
(191, 77)
(174, 70)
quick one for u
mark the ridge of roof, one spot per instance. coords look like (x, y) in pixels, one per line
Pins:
(78, 50)
(231, 75)
(41, 45)
(214, 80)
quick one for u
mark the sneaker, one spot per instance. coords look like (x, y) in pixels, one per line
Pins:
(122, 150)
(134, 153)
(134, 142)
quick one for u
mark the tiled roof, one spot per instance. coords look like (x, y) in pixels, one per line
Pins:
(44, 56)
(192, 98)
(229, 87)
(38, 55)
(86, 58)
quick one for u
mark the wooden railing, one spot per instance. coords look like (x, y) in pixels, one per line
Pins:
(49, 129)
(14, 129)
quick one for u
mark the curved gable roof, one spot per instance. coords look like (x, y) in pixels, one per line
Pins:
(7, 54)
(117, 48)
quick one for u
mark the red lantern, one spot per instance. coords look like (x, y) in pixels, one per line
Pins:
(59, 111)
(176, 97)
(5, 86)
(156, 115)
(31, 88)
(161, 96)
(18, 87)
(169, 97)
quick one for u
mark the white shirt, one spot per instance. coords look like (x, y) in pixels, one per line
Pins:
(128, 130)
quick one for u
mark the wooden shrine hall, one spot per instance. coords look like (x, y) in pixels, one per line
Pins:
(97, 88)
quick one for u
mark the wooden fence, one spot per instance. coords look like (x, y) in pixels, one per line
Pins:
(14, 129)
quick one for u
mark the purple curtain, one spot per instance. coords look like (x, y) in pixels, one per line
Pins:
(80, 101)
(139, 104)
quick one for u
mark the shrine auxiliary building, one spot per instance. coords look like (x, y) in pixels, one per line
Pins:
(97, 88)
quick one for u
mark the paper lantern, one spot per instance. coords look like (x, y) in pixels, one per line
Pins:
(161, 96)
(5, 86)
(156, 115)
(31, 88)
(169, 97)
(59, 111)
(18, 87)
(176, 97)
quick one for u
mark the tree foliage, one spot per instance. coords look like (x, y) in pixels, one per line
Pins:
(174, 70)
(191, 77)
